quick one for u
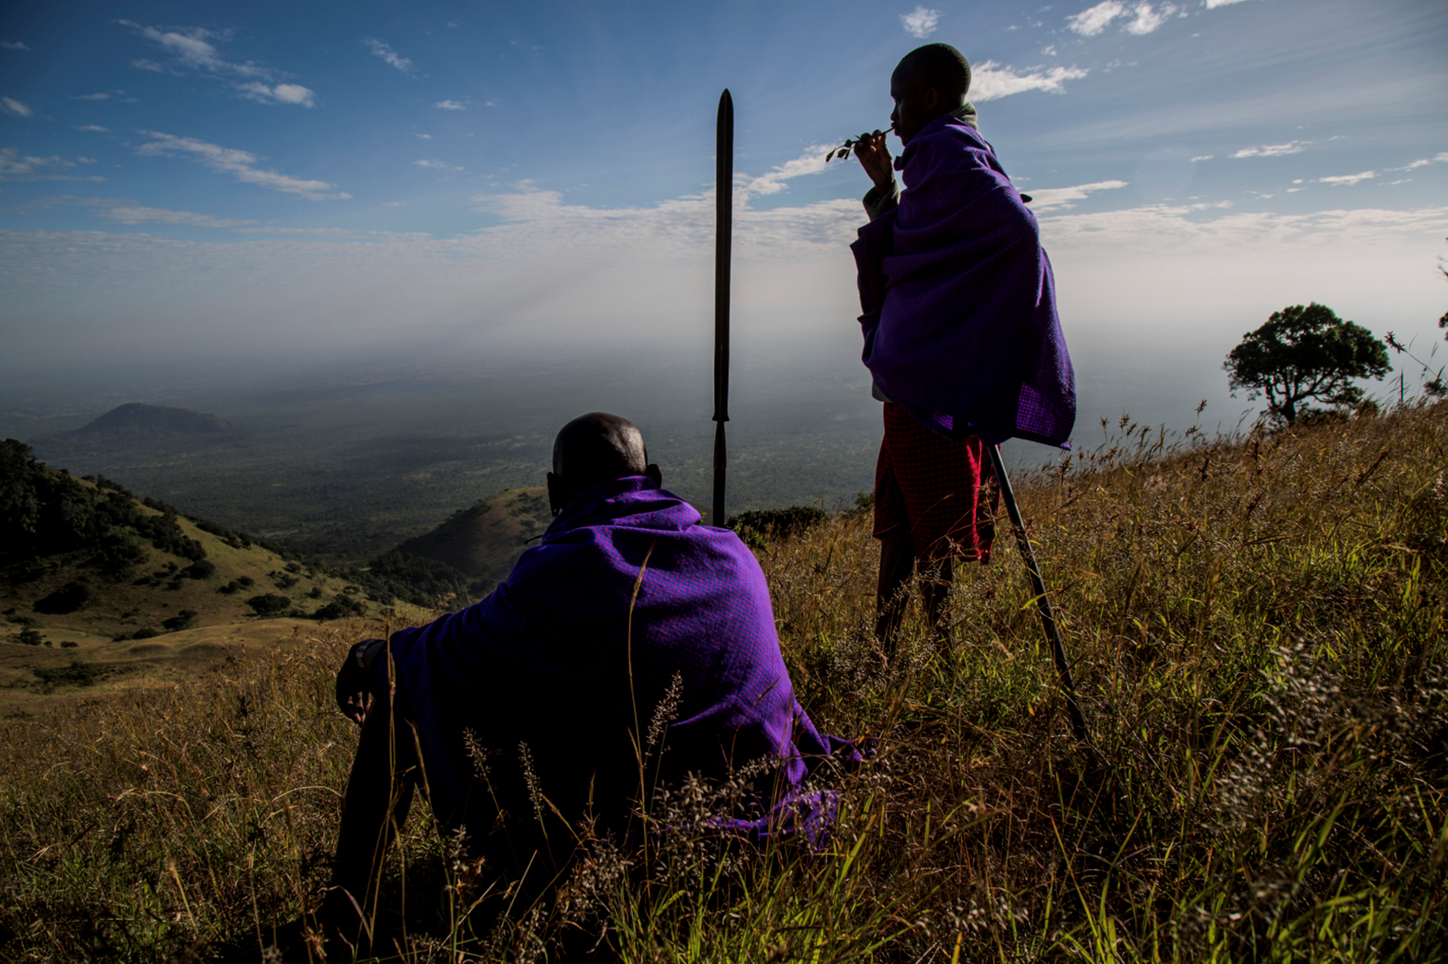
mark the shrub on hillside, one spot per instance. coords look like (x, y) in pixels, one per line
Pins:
(778, 523)
(203, 569)
(269, 604)
(416, 579)
(72, 597)
(119, 555)
(184, 619)
(340, 608)
(76, 674)
(237, 584)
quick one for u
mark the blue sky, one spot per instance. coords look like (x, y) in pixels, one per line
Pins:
(201, 179)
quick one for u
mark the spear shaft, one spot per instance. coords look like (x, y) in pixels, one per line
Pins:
(724, 218)
(1043, 601)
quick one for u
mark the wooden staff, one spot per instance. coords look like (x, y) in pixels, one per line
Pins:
(724, 198)
(1043, 602)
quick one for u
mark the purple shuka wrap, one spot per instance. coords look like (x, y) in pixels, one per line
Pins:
(565, 658)
(959, 303)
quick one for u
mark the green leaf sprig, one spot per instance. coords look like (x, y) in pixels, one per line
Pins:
(844, 151)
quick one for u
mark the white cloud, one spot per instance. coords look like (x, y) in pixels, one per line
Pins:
(280, 94)
(426, 137)
(12, 106)
(390, 56)
(1421, 162)
(239, 164)
(15, 166)
(134, 214)
(99, 96)
(812, 161)
(1093, 20)
(451, 105)
(94, 127)
(1203, 157)
(1144, 18)
(1273, 150)
(437, 165)
(1348, 179)
(920, 22)
(13, 45)
(192, 47)
(1213, 4)
(991, 81)
(1147, 19)
(1044, 199)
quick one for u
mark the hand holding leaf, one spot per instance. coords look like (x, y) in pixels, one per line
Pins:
(849, 145)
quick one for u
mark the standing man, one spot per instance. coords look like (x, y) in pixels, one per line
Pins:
(961, 333)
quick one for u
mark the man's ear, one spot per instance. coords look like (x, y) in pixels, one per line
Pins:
(932, 99)
(556, 500)
(655, 475)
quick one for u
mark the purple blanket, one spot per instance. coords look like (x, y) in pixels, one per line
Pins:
(959, 304)
(563, 658)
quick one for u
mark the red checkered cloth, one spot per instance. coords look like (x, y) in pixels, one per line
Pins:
(933, 485)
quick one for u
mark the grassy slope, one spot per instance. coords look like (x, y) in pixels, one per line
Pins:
(485, 539)
(1257, 631)
(125, 605)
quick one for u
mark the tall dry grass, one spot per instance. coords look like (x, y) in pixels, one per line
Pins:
(1256, 626)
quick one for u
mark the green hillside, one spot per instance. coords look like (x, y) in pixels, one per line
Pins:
(99, 587)
(484, 540)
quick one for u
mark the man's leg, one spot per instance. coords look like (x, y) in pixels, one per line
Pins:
(897, 561)
(935, 581)
(379, 792)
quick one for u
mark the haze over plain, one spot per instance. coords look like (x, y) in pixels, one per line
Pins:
(275, 186)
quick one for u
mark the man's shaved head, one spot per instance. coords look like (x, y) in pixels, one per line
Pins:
(937, 65)
(929, 82)
(593, 448)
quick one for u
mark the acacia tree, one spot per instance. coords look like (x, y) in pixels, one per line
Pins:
(1303, 353)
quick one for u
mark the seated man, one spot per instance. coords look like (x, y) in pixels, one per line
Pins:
(540, 707)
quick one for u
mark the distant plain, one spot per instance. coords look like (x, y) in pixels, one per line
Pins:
(347, 460)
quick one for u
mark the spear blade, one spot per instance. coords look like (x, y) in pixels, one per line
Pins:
(724, 220)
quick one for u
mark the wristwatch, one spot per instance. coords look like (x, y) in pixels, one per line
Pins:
(367, 651)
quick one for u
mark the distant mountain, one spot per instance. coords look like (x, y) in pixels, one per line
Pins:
(484, 541)
(137, 421)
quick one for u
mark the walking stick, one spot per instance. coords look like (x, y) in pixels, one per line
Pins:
(1043, 602)
(724, 217)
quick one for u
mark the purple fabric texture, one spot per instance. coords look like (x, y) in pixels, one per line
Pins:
(959, 303)
(563, 657)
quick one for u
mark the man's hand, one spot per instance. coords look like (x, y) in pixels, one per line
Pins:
(354, 678)
(876, 160)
